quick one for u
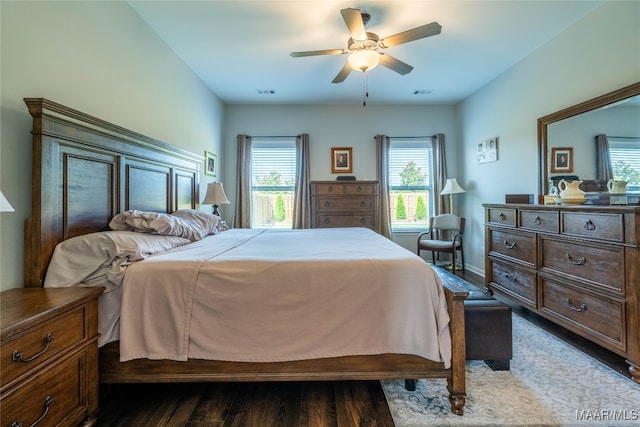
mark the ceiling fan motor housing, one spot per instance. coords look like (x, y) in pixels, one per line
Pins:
(370, 43)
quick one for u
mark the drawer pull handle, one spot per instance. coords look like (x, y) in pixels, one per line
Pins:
(510, 277)
(363, 204)
(362, 220)
(327, 221)
(359, 188)
(537, 220)
(580, 309)
(510, 245)
(47, 402)
(327, 204)
(330, 189)
(502, 217)
(579, 261)
(17, 355)
(589, 225)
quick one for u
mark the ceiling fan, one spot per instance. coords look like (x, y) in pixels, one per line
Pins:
(363, 47)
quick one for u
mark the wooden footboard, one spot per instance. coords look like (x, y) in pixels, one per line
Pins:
(384, 366)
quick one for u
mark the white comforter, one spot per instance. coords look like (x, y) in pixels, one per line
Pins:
(258, 296)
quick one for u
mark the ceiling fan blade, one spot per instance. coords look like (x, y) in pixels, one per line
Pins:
(343, 74)
(353, 19)
(395, 64)
(318, 52)
(410, 35)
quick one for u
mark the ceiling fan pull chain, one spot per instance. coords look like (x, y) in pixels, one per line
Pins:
(366, 90)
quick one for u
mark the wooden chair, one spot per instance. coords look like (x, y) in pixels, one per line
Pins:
(444, 235)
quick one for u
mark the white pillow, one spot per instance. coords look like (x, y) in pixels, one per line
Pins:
(100, 259)
(156, 223)
(206, 222)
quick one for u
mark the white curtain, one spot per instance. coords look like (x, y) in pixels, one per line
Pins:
(440, 174)
(242, 215)
(382, 173)
(302, 194)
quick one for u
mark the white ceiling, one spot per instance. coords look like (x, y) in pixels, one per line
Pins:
(239, 48)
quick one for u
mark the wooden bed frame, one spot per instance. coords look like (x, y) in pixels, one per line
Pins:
(86, 170)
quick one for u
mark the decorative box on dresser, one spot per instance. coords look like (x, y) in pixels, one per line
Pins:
(578, 266)
(49, 365)
(345, 204)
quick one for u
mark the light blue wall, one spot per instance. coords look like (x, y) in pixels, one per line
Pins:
(597, 55)
(99, 58)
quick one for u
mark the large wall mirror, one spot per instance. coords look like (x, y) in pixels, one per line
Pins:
(573, 132)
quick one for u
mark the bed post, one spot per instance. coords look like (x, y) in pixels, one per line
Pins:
(456, 383)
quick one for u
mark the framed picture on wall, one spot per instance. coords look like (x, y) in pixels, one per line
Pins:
(210, 164)
(488, 151)
(341, 160)
(561, 159)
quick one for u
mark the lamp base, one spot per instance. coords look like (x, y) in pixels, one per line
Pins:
(215, 210)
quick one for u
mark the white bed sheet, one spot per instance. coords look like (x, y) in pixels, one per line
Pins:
(280, 295)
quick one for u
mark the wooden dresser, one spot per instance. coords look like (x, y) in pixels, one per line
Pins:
(49, 364)
(345, 204)
(578, 266)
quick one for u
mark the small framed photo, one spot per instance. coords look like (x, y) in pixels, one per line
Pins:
(561, 159)
(341, 160)
(488, 151)
(210, 164)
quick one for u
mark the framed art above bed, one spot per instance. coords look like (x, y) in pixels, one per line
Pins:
(210, 164)
(132, 172)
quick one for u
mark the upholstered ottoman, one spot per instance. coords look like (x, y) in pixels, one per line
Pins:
(487, 329)
(487, 326)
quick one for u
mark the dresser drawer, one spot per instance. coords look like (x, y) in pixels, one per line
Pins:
(548, 221)
(328, 204)
(345, 221)
(520, 246)
(598, 265)
(42, 343)
(324, 189)
(345, 188)
(597, 226)
(54, 391)
(517, 283)
(601, 317)
(361, 189)
(502, 216)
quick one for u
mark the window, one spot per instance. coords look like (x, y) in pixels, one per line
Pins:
(273, 175)
(625, 161)
(410, 183)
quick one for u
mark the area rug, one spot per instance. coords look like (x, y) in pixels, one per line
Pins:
(550, 384)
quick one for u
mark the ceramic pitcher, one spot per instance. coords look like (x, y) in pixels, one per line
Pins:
(617, 187)
(570, 190)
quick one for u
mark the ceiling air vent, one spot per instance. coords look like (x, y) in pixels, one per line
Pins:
(266, 92)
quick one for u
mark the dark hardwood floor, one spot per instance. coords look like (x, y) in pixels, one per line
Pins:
(286, 404)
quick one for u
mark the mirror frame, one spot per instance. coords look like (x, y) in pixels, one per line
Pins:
(583, 107)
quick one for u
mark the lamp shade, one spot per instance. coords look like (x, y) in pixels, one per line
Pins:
(452, 187)
(363, 60)
(5, 206)
(215, 195)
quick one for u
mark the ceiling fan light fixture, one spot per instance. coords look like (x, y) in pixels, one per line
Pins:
(364, 60)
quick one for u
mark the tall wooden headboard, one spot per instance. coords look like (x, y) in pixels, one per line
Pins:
(86, 170)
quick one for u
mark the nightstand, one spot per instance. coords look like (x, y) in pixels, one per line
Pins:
(49, 356)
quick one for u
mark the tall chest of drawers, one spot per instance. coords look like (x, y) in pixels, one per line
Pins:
(345, 204)
(578, 266)
(49, 364)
